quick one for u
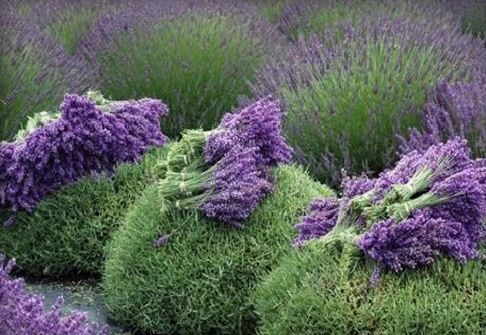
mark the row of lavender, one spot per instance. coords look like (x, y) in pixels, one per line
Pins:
(215, 52)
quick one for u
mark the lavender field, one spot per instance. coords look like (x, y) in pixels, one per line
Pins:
(270, 167)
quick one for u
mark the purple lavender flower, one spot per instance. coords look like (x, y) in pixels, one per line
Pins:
(417, 241)
(258, 125)
(457, 109)
(236, 187)
(83, 141)
(432, 203)
(322, 218)
(162, 240)
(226, 172)
(22, 313)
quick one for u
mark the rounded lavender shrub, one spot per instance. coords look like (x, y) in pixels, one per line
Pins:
(199, 58)
(457, 109)
(316, 291)
(66, 234)
(23, 313)
(84, 140)
(177, 271)
(348, 95)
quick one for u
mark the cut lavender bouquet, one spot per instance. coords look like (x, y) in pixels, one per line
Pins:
(431, 204)
(226, 172)
(83, 139)
(427, 214)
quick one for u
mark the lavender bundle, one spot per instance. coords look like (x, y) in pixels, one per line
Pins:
(22, 313)
(431, 204)
(226, 172)
(83, 139)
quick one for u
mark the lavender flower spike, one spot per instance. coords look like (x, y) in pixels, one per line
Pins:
(22, 313)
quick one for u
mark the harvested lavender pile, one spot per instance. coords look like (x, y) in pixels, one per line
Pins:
(83, 139)
(432, 203)
(226, 172)
(23, 313)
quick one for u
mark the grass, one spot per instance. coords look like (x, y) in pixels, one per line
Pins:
(311, 293)
(200, 282)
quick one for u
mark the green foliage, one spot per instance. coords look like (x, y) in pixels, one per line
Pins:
(34, 122)
(354, 111)
(66, 234)
(473, 21)
(312, 293)
(271, 9)
(71, 25)
(200, 281)
(25, 88)
(197, 63)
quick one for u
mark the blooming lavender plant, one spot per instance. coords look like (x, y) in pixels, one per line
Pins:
(457, 109)
(225, 172)
(431, 204)
(349, 94)
(210, 52)
(35, 70)
(23, 313)
(83, 140)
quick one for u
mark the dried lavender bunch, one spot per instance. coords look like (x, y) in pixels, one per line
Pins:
(431, 204)
(84, 140)
(226, 172)
(348, 95)
(23, 313)
(457, 109)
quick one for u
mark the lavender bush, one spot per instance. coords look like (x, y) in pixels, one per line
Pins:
(348, 95)
(23, 313)
(84, 140)
(457, 109)
(198, 57)
(35, 70)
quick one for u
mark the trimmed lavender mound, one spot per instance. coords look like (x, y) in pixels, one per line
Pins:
(402, 253)
(83, 141)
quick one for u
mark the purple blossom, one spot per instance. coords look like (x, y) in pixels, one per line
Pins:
(442, 214)
(23, 313)
(237, 187)
(257, 125)
(322, 218)
(244, 148)
(162, 240)
(457, 109)
(466, 191)
(419, 240)
(226, 172)
(83, 141)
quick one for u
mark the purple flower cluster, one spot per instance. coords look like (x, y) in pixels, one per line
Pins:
(322, 218)
(457, 109)
(22, 313)
(84, 140)
(244, 148)
(432, 203)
